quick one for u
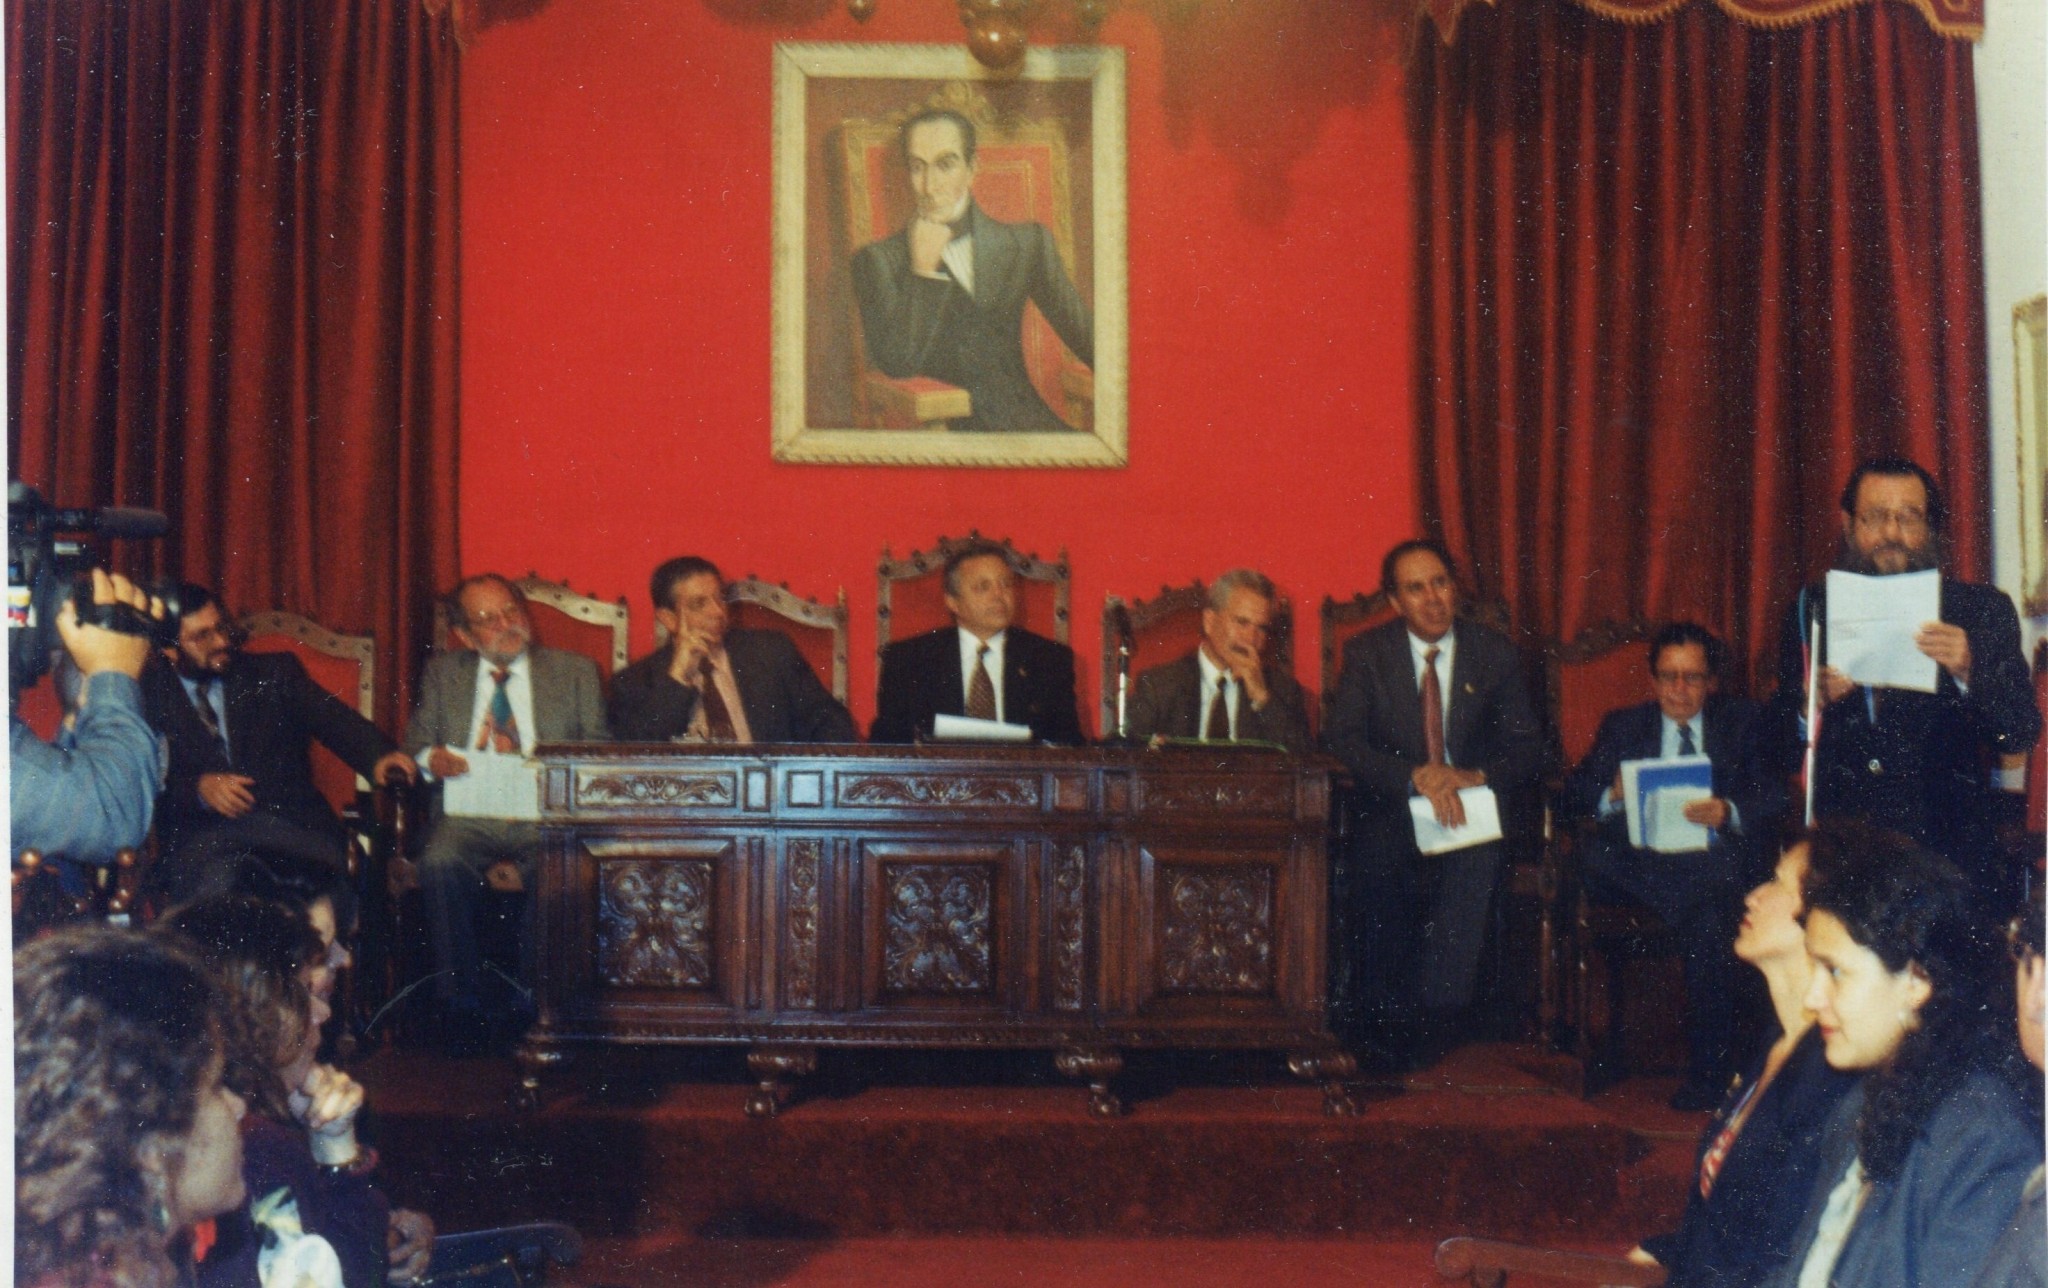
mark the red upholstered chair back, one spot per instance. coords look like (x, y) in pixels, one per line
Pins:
(1020, 175)
(911, 592)
(819, 631)
(1169, 626)
(344, 665)
(562, 619)
(1600, 670)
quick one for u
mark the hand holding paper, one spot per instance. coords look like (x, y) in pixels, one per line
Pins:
(1875, 626)
(1481, 823)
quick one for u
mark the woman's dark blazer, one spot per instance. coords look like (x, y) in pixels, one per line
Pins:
(1736, 1238)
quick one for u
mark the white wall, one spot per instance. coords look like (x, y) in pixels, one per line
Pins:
(2012, 115)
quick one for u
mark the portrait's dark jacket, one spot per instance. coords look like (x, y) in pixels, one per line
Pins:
(781, 695)
(1376, 726)
(1166, 699)
(1730, 728)
(1935, 1223)
(921, 680)
(923, 326)
(1923, 768)
(275, 712)
(1743, 1231)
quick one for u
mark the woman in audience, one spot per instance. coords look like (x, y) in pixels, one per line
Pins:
(311, 1201)
(2021, 1258)
(124, 1136)
(1757, 1158)
(1925, 1161)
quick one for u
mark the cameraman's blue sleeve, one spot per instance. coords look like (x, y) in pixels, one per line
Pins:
(93, 795)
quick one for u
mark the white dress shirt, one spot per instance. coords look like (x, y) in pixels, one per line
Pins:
(1233, 693)
(1446, 650)
(970, 649)
(518, 688)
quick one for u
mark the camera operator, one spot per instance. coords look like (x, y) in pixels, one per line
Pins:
(90, 793)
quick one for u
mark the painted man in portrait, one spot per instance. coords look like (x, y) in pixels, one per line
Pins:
(944, 298)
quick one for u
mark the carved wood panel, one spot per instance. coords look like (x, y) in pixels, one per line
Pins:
(1008, 791)
(1215, 928)
(607, 788)
(806, 856)
(1069, 926)
(939, 937)
(655, 922)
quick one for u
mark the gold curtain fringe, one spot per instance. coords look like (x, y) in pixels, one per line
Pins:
(1955, 19)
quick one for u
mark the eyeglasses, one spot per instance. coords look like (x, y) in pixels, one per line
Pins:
(514, 615)
(1690, 679)
(1879, 520)
(217, 631)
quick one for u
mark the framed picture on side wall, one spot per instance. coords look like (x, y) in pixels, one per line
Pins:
(949, 272)
(2030, 387)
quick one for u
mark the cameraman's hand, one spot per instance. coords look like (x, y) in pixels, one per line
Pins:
(94, 648)
(227, 795)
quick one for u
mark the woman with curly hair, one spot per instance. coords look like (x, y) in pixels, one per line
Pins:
(124, 1136)
(1925, 1161)
(313, 1214)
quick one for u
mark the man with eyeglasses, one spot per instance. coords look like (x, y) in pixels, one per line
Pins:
(501, 693)
(240, 728)
(1698, 894)
(1917, 763)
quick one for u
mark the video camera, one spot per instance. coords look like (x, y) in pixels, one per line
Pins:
(50, 560)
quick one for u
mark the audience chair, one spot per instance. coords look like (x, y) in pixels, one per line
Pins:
(1021, 171)
(818, 630)
(1164, 628)
(910, 592)
(40, 902)
(1486, 1263)
(1585, 678)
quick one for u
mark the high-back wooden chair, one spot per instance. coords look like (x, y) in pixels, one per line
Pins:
(562, 619)
(910, 595)
(1021, 174)
(1166, 627)
(1344, 619)
(1599, 670)
(819, 631)
(344, 665)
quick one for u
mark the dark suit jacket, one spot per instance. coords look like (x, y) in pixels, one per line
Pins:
(1166, 701)
(568, 700)
(1935, 1223)
(922, 326)
(1923, 767)
(1376, 726)
(921, 680)
(275, 712)
(1743, 1231)
(783, 700)
(1729, 730)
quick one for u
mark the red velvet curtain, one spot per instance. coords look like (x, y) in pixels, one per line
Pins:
(232, 292)
(1675, 280)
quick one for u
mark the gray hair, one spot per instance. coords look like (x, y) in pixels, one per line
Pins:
(1241, 579)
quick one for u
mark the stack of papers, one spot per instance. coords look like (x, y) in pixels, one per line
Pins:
(1482, 822)
(1656, 793)
(1871, 625)
(968, 729)
(496, 786)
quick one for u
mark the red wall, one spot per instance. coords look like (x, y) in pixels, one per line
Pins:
(615, 347)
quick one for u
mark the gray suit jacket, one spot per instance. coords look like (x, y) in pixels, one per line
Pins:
(568, 700)
(1166, 699)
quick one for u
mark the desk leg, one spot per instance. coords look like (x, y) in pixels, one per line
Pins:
(1096, 1065)
(777, 1067)
(534, 1060)
(1331, 1068)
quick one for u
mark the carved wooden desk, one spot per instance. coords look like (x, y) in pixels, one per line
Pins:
(1076, 900)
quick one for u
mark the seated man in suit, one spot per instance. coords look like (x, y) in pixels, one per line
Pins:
(1427, 705)
(1222, 691)
(714, 683)
(500, 693)
(953, 670)
(1697, 895)
(240, 728)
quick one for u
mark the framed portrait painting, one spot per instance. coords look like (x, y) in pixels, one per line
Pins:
(949, 265)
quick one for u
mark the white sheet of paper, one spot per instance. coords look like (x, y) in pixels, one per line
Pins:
(1665, 825)
(1871, 625)
(496, 786)
(968, 729)
(1482, 822)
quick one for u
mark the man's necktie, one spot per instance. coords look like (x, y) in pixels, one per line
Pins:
(1686, 746)
(1217, 727)
(202, 701)
(981, 690)
(1432, 709)
(501, 727)
(717, 720)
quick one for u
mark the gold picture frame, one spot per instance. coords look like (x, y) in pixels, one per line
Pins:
(2030, 388)
(1048, 188)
